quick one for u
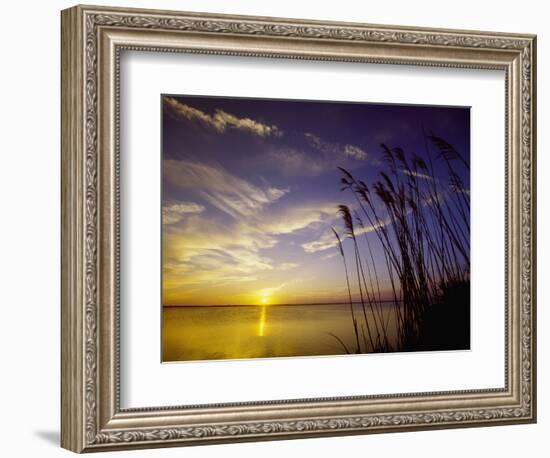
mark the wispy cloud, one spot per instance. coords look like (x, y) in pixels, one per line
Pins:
(330, 256)
(172, 212)
(326, 241)
(293, 162)
(221, 120)
(228, 193)
(296, 218)
(287, 266)
(355, 152)
(337, 149)
(423, 176)
(272, 290)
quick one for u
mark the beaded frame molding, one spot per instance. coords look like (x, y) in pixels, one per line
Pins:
(92, 41)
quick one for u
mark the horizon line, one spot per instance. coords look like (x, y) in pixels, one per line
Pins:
(276, 305)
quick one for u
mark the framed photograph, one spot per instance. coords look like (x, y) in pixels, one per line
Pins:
(278, 228)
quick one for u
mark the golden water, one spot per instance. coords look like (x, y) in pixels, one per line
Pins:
(235, 332)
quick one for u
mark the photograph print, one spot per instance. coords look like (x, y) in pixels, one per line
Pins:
(313, 228)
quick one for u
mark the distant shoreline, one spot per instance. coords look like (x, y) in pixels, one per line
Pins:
(279, 305)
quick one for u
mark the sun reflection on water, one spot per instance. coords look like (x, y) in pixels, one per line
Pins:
(261, 324)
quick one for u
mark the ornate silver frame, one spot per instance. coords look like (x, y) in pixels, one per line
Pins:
(92, 39)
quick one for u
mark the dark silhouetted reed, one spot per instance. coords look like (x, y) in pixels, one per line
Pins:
(418, 210)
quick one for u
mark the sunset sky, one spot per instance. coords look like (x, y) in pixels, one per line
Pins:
(251, 188)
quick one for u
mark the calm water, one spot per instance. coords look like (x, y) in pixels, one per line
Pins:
(234, 332)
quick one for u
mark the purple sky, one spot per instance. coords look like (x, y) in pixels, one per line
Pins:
(251, 188)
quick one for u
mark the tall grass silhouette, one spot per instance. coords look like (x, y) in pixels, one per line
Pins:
(419, 212)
